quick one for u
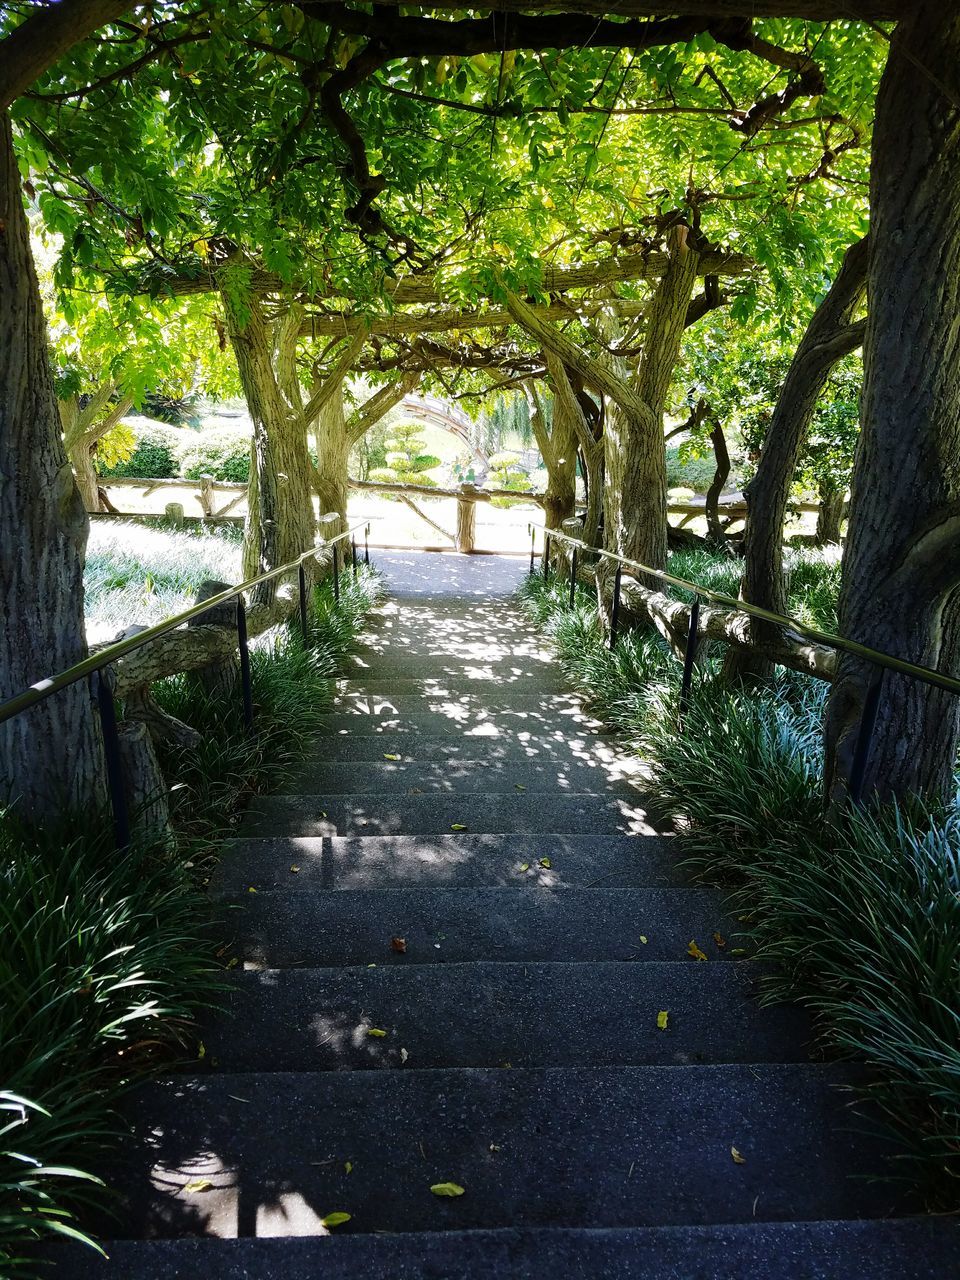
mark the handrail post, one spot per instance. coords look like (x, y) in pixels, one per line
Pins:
(690, 656)
(244, 648)
(304, 622)
(353, 557)
(615, 610)
(573, 577)
(103, 692)
(546, 554)
(861, 752)
(336, 572)
(366, 545)
(533, 548)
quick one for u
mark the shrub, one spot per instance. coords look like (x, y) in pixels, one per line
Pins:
(155, 454)
(685, 471)
(221, 452)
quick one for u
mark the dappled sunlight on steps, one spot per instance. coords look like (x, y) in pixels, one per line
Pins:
(465, 953)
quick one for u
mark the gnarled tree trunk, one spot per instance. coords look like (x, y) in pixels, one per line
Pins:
(50, 757)
(635, 493)
(331, 477)
(830, 335)
(280, 519)
(558, 448)
(830, 514)
(586, 418)
(901, 580)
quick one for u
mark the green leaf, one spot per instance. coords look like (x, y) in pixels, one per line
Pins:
(451, 1189)
(336, 1219)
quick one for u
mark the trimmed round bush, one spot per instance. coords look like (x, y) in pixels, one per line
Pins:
(154, 456)
(221, 452)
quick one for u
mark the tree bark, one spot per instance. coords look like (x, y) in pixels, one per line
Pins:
(50, 757)
(331, 476)
(83, 429)
(85, 473)
(830, 335)
(635, 493)
(720, 477)
(558, 448)
(280, 522)
(902, 561)
(572, 401)
(830, 514)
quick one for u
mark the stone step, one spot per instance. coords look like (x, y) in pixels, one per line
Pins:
(411, 777)
(462, 861)
(516, 723)
(557, 709)
(895, 1249)
(583, 747)
(385, 815)
(612, 1146)
(443, 925)
(455, 685)
(594, 1014)
(388, 663)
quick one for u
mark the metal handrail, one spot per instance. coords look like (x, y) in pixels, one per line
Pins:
(102, 689)
(111, 653)
(880, 660)
(875, 656)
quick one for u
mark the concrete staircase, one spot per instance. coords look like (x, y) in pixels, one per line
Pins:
(464, 802)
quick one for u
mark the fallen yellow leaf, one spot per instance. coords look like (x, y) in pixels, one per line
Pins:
(335, 1219)
(447, 1189)
(376, 1032)
(524, 866)
(545, 862)
(201, 1050)
(348, 1166)
(643, 938)
(719, 940)
(294, 868)
(694, 950)
(518, 786)
(737, 1157)
(662, 1019)
(251, 889)
(389, 756)
(197, 1184)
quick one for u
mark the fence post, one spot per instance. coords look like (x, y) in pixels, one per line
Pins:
(573, 576)
(615, 610)
(546, 554)
(533, 548)
(336, 571)
(304, 622)
(353, 556)
(861, 752)
(690, 656)
(244, 663)
(102, 690)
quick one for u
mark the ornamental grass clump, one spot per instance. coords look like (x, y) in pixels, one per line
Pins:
(107, 958)
(104, 965)
(859, 915)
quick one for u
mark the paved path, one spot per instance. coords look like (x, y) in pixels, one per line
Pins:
(465, 960)
(411, 574)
